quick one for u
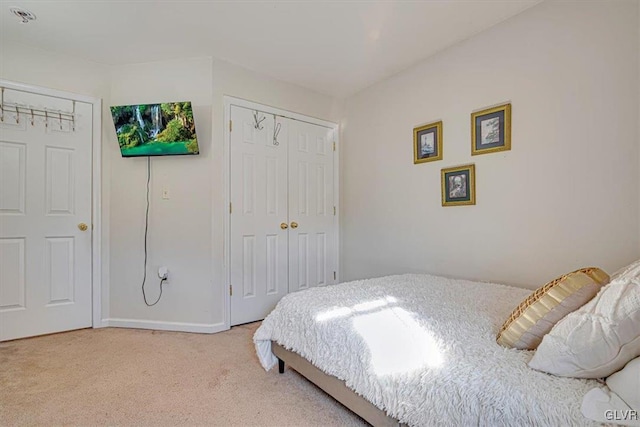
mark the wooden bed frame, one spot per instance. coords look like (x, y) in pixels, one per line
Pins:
(333, 386)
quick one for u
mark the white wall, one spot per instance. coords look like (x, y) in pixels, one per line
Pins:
(565, 196)
(179, 228)
(30, 65)
(186, 231)
(239, 82)
(33, 66)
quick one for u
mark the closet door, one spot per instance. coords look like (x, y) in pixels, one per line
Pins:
(312, 233)
(259, 223)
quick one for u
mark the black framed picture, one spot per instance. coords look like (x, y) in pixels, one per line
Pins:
(491, 130)
(459, 185)
(427, 143)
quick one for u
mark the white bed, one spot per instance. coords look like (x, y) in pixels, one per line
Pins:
(422, 348)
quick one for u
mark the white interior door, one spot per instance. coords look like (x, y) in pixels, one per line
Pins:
(258, 243)
(312, 234)
(45, 193)
(283, 233)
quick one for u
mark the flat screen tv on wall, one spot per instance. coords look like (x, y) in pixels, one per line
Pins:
(155, 129)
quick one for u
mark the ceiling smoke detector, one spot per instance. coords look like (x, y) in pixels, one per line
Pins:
(23, 14)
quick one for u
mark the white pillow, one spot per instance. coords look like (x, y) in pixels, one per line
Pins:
(626, 384)
(621, 403)
(606, 407)
(599, 338)
(631, 270)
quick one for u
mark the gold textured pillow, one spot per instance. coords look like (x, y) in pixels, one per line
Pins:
(536, 315)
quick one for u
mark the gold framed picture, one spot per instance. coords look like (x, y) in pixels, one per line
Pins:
(491, 130)
(427, 143)
(459, 185)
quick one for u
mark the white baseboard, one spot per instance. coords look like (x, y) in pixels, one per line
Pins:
(103, 323)
(200, 328)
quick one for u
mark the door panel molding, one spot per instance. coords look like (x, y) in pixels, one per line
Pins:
(258, 187)
(313, 241)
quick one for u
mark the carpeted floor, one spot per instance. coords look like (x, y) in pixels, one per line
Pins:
(128, 376)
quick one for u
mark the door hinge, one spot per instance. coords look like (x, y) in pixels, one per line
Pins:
(230, 125)
(334, 146)
(230, 290)
(334, 275)
(334, 211)
(230, 208)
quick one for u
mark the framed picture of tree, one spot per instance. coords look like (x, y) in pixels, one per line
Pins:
(491, 130)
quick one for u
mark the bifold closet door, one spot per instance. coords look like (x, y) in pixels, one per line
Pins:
(312, 232)
(45, 219)
(283, 234)
(259, 223)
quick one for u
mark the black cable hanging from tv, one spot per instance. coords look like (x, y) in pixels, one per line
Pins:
(146, 231)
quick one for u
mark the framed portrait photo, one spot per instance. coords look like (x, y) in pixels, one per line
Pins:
(491, 130)
(427, 143)
(459, 185)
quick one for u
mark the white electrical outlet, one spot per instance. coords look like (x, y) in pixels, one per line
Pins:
(163, 273)
(165, 194)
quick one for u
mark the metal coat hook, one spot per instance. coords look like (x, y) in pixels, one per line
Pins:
(60, 118)
(258, 120)
(17, 115)
(46, 118)
(31, 116)
(73, 117)
(276, 131)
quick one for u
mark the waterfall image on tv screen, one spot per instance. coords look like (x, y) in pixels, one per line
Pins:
(155, 129)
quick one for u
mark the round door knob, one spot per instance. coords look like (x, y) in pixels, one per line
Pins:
(294, 224)
(284, 226)
(82, 226)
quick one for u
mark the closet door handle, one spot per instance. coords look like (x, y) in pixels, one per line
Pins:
(284, 226)
(294, 225)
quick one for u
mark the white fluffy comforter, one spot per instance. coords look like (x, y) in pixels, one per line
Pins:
(423, 349)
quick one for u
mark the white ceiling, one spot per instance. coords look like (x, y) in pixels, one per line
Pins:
(333, 47)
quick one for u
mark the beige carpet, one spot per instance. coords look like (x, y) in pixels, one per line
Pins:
(127, 376)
